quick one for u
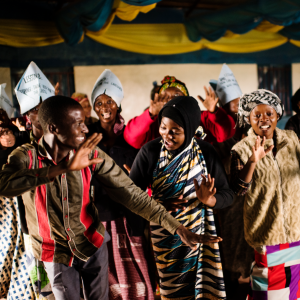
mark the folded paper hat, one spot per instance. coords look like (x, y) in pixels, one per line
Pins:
(32, 87)
(109, 84)
(213, 83)
(5, 102)
(227, 87)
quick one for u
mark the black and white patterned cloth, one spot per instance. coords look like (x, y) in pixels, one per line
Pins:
(249, 101)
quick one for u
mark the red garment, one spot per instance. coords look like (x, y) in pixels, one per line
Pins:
(141, 130)
(218, 126)
(128, 272)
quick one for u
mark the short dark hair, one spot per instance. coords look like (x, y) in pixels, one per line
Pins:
(295, 100)
(53, 109)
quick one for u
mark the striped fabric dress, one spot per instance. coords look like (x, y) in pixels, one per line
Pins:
(185, 273)
(276, 273)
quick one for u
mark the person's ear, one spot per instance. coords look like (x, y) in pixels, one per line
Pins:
(52, 128)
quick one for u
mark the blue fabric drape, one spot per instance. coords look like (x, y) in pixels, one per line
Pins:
(141, 2)
(242, 18)
(72, 19)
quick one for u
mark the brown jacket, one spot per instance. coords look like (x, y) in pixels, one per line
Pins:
(272, 206)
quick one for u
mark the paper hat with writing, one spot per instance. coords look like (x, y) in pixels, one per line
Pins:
(109, 84)
(213, 83)
(227, 88)
(32, 87)
(5, 102)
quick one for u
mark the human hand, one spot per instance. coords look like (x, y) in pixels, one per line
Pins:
(173, 205)
(258, 151)
(7, 138)
(56, 89)
(127, 168)
(210, 102)
(18, 124)
(206, 191)
(157, 104)
(81, 158)
(191, 239)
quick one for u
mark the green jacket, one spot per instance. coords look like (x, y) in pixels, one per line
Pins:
(62, 220)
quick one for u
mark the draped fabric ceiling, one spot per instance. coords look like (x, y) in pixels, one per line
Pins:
(251, 27)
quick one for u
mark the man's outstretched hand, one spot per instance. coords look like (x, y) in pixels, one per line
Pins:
(191, 239)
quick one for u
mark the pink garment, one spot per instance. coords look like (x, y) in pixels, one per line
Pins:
(119, 125)
(141, 130)
(218, 126)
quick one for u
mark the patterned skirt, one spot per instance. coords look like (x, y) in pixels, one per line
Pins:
(276, 273)
(185, 273)
(14, 275)
(128, 272)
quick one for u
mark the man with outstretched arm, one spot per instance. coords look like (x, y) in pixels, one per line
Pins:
(54, 177)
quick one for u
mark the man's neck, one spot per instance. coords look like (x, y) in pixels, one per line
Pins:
(56, 150)
(38, 133)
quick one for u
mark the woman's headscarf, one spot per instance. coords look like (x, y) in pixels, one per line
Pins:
(249, 101)
(171, 81)
(186, 112)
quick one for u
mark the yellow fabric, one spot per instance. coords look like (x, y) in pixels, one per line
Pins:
(128, 12)
(27, 33)
(266, 26)
(172, 39)
(125, 12)
(296, 43)
(153, 39)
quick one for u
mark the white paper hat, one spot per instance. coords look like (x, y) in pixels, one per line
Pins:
(227, 88)
(109, 84)
(32, 87)
(5, 102)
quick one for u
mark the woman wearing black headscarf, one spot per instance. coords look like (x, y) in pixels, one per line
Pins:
(174, 165)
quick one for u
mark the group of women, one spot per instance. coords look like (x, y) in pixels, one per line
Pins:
(165, 151)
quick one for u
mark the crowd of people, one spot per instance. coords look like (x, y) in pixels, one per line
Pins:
(179, 202)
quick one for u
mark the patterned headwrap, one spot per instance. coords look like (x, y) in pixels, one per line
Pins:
(79, 97)
(171, 81)
(249, 101)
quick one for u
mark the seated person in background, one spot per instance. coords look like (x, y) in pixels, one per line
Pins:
(54, 177)
(219, 122)
(84, 101)
(294, 122)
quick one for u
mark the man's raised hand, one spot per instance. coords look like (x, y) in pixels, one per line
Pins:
(81, 158)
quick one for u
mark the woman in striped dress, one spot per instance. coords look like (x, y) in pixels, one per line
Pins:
(188, 178)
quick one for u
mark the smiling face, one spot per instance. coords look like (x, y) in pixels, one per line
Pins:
(172, 134)
(71, 132)
(106, 109)
(263, 119)
(34, 118)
